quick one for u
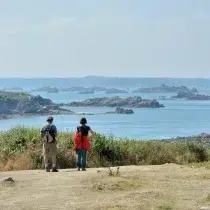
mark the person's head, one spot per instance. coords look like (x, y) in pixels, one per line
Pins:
(50, 120)
(83, 121)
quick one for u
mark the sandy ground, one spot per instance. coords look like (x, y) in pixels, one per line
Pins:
(163, 187)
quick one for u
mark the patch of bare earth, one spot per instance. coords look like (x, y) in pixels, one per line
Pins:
(162, 187)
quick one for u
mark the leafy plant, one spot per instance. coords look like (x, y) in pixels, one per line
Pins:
(24, 145)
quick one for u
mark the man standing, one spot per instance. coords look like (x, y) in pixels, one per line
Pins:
(49, 134)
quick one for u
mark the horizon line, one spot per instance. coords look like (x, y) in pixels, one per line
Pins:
(111, 77)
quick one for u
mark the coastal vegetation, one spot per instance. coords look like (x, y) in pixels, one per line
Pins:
(115, 90)
(80, 90)
(20, 103)
(13, 96)
(189, 95)
(143, 180)
(123, 111)
(130, 102)
(15, 104)
(182, 92)
(21, 149)
(46, 89)
(165, 89)
(84, 89)
(87, 92)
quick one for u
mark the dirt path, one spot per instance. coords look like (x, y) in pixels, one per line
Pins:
(163, 187)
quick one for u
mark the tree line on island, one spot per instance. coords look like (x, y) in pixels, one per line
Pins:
(182, 92)
(24, 104)
(20, 103)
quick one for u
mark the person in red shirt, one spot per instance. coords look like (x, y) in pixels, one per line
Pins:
(82, 143)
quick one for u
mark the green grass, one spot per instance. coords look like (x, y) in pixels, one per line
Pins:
(21, 148)
(16, 96)
(116, 184)
(200, 165)
(208, 198)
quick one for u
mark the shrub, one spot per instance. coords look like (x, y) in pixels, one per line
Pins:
(21, 148)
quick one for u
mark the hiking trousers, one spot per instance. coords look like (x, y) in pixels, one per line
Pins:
(81, 158)
(50, 148)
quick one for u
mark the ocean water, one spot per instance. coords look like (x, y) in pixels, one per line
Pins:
(178, 118)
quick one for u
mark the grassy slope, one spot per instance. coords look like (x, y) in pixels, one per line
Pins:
(16, 96)
(21, 149)
(164, 187)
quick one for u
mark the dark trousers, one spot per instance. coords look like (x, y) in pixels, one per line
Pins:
(81, 158)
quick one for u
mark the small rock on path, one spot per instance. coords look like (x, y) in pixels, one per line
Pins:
(7, 180)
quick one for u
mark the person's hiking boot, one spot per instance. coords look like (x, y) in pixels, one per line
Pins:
(47, 169)
(78, 169)
(54, 169)
(84, 169)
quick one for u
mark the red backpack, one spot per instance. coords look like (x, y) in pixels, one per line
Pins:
(77, 138)
(81, 142)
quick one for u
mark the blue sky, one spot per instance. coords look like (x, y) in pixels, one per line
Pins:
(144, 38)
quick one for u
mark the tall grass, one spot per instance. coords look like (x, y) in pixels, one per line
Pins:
(21, 149)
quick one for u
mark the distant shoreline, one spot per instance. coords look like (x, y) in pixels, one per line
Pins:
(16, 116)
(107, 77)
(197, 137)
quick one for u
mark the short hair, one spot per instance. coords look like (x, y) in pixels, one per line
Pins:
(83, 121)
(50, 119)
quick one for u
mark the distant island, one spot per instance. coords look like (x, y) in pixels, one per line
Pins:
(165, 89)
(87, 92)
(82, 90)
(115, 90)
(123, 111)
(103, 81)
(46, 89)
(73, 89)
(199, 97)
(189, 95)
(53, 90)
(130, 102)
(93, 89)
(19, 103)
(14, 89)
(118, 110)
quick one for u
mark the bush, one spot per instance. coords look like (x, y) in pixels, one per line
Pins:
(21, 149)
